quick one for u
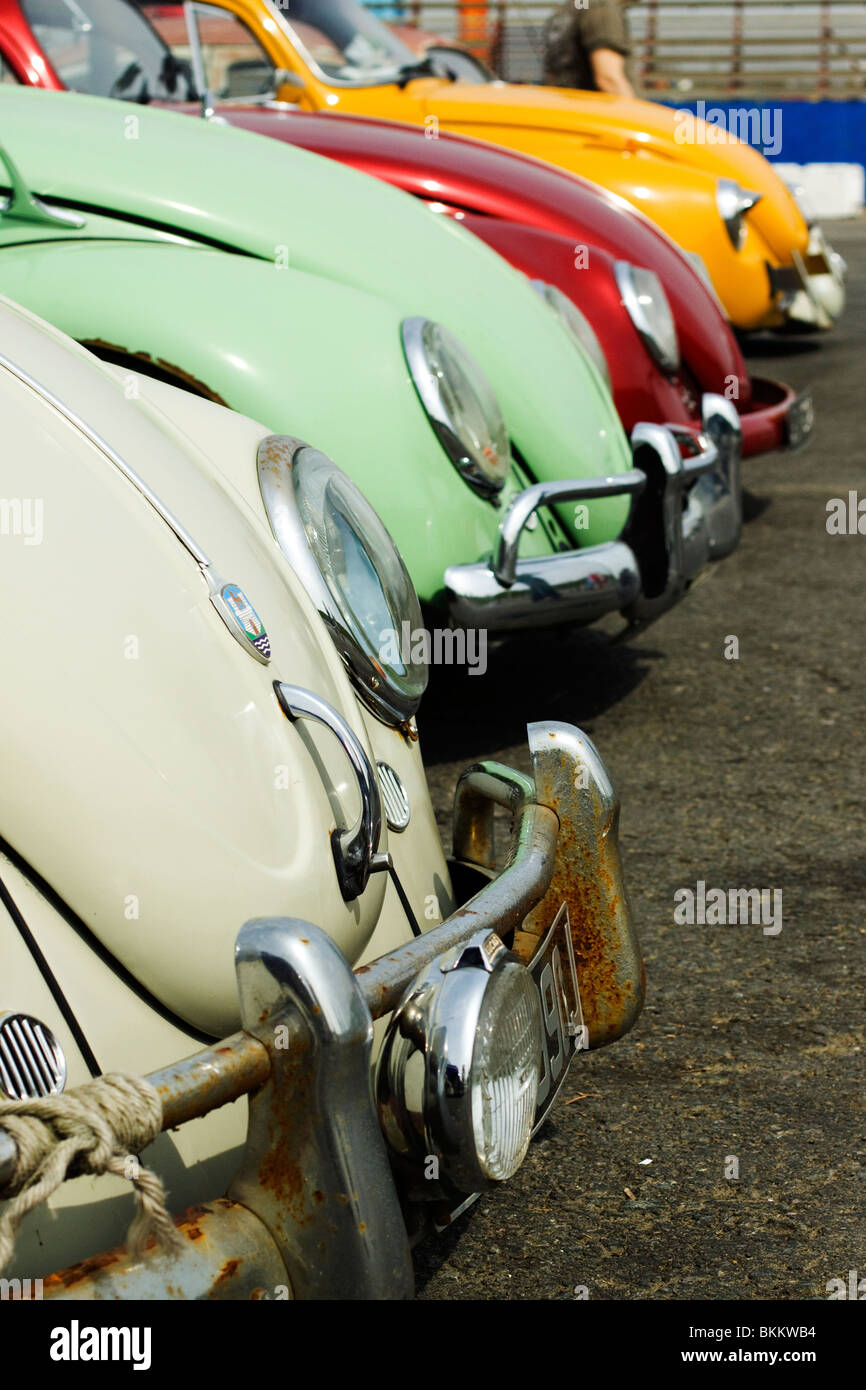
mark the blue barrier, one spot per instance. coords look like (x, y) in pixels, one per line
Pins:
(807, 132)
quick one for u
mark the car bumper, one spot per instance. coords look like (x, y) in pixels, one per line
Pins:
(777, 417)
(687, 512)
(314, 1210)
(810, 292)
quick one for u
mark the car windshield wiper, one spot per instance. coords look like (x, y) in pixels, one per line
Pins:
(425, 67)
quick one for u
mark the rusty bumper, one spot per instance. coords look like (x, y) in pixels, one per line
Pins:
(314, 1210)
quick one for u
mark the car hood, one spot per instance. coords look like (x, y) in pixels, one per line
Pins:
(224, 187)
(477, 177)
(599, 121)
(150, 777)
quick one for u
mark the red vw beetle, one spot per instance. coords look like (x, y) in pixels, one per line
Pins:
(586, 242)
(642, 308)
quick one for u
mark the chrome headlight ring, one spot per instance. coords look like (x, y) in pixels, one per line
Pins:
(649, 310)
(576, 324)
(733, 202)
(349, 565)
(460, 403)
(459, 1069)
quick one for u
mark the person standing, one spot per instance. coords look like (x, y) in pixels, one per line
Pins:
(586, 46)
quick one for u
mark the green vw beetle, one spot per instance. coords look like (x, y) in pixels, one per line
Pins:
(461, 400)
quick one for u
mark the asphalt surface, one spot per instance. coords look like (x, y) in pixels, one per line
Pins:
(740, 773)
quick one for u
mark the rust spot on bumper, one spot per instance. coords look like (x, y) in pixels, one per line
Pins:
(588, 878)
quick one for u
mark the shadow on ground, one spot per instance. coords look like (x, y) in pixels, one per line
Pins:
(568, 675)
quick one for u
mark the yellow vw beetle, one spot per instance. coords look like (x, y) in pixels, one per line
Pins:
(718, 197)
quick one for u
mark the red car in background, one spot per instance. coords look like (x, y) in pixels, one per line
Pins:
(601, 257)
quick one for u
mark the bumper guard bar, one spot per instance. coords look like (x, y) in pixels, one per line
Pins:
(313, 1211)
(686, 512)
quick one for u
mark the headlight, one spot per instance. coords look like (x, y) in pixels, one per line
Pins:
(733, 203)
(576, 324)
(350, 567)
(460, 404)
(650, 312)
(460, 1066)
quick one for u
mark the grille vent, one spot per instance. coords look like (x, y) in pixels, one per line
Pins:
(394, 798)
(32, 1063)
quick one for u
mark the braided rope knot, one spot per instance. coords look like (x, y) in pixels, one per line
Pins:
(97, 1128)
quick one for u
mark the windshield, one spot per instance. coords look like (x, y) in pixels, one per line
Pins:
(345, 42)
(107, 49)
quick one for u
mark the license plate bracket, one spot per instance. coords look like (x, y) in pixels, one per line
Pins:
(554, 972)
(799, 420)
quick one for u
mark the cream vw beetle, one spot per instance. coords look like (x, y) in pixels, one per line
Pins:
(219, 865)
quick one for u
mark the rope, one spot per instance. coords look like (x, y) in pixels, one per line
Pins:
(97, 1128)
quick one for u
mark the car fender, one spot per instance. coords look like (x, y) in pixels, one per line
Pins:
(502, 185)
(641, 390)
(178, 722)
(323, 361)
(289, 208)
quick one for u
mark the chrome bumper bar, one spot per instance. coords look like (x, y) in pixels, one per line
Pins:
(687, 511)
(313, 1211)
(813, 288)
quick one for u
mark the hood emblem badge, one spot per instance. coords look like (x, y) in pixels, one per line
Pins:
(242, 620)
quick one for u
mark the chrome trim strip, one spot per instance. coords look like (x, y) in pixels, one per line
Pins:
(354, 848)
(113, 456)
(526, 503)
(216, 584)
(384, 77)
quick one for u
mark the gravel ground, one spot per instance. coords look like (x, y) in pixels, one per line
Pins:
(742, 773)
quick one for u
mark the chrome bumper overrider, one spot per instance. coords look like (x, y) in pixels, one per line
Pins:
(314, 1210)
(813, 289)
(687, 511)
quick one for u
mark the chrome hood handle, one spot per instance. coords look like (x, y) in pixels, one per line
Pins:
(354, 847)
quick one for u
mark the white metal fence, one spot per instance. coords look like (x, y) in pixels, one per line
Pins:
(757, 48)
